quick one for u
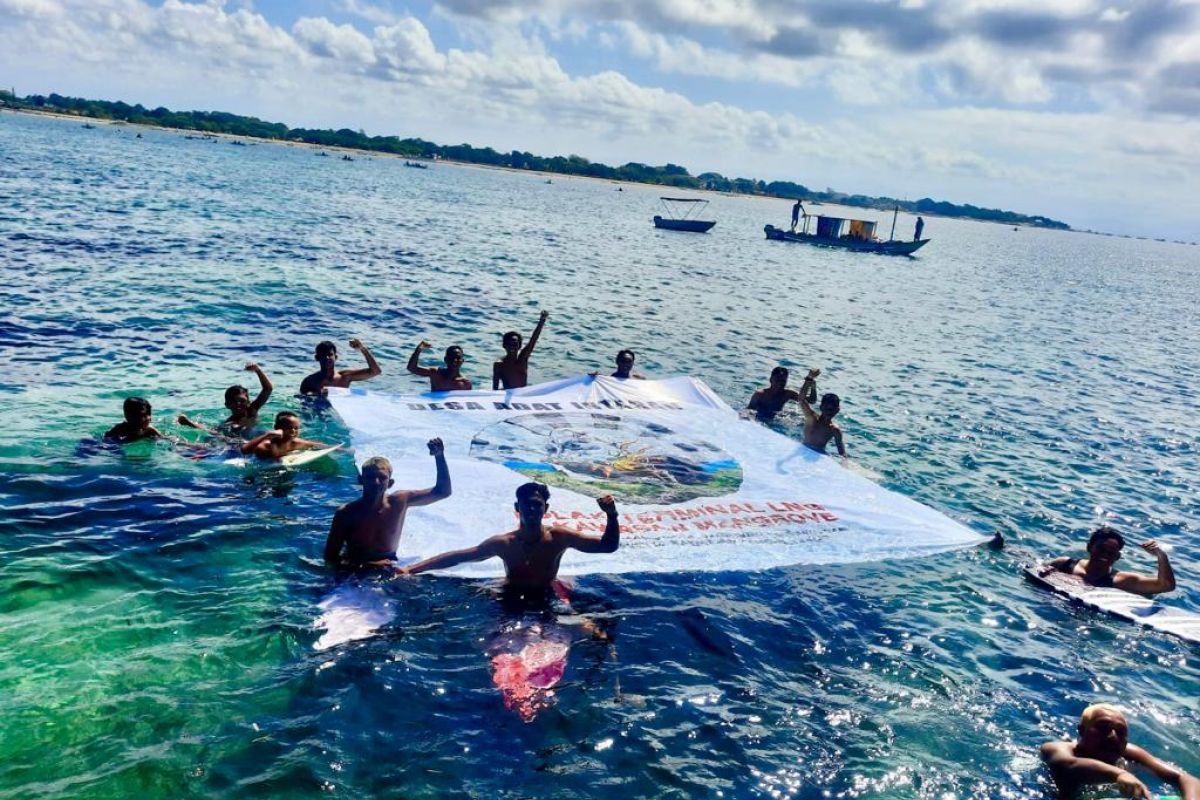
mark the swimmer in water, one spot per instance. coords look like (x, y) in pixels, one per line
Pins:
(512, 371)
(1103, 756)
(532, 552)
(243, 413)
(326, 355)
(1104, 550)
(819, 428)
(766, 403)
(441, 379)
(366, 531)
(275, 444)
(137, 425)
(625, 360)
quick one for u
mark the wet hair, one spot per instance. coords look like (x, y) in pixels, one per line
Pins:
(286, 415)
(234, 391)
(632, 355)
(135, 406)
(1102, 533)
(451, 349)
(527, 490)
(831, 401)
(780, 371)
(326, 348)
(1091, 712)
(511, 336)
(379, 463)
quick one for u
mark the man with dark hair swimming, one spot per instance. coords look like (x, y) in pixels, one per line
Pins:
(243, 412)
(820, 428)
(328, 375)
(1103, 755)
(284, 439)
(512, 371)
(366, 531)
(1104, 550)
(441, 379)
(531, 553)
(766, 403)
(137, 425)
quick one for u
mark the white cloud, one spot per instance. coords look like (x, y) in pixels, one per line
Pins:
(341, 42)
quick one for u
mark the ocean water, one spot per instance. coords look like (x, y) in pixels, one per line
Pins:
(157, 612)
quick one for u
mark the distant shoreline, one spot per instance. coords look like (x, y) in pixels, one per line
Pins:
(668, 177)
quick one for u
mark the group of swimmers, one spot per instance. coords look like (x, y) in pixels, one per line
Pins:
(365, 533)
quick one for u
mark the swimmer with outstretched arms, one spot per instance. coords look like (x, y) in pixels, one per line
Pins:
(441, 379)
(531, 553)
(820, 428)
(366, 531)
(1103, 756)
(243, 413)
(767, 402)
(328, 375)
(285, 438)
(1104, 549)
(137, 425)
(512, 371)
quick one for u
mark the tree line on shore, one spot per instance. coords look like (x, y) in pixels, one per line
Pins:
(671, 175)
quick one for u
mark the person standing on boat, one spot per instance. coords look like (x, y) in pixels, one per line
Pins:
(919, 229)
(797, 210)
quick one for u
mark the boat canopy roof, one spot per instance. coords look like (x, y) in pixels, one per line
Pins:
(682, 200)
(691, 206)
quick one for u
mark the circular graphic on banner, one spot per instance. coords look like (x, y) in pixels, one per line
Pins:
(636, 461)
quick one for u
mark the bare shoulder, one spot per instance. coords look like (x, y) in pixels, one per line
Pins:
(1056, 750)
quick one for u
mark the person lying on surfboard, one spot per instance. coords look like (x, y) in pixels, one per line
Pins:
(326, 355)
(441, 379)
(766, 403)
(1104, 549)
(512, 371)
(1103, 755)
(284, 439)
(531, 553)
(819, 428)
(243, 413)
(366, 531)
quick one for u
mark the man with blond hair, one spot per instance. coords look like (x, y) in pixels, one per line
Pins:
(1103, 755)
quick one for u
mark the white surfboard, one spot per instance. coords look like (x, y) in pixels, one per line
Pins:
(1119, 603)
(291, 460)
(352, 612)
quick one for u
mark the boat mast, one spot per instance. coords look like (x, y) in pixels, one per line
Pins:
(895, 212)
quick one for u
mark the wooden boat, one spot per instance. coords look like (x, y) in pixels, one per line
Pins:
(858, 235)
(681, 215)
(416, 165)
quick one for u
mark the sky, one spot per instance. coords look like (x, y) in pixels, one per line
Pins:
(1083, 110)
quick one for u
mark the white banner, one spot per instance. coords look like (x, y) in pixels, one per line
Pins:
(698, 488)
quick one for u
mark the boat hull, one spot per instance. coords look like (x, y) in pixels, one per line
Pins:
(689, 225)
(891, 247)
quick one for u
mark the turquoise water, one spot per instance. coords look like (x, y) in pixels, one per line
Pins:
(157, 612)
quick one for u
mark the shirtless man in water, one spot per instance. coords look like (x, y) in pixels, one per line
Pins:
(284, 439)
(766, 403)
(512, 371)
(442, 379)
(327, 375)
(1103, 755)
(137, 425)
(243, 412)
(819, 428)
(1104, 550)
(366, 531)
(532, 552)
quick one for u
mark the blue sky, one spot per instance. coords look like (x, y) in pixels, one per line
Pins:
(1084, 110)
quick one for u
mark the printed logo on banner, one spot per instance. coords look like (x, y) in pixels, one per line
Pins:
(634, 460)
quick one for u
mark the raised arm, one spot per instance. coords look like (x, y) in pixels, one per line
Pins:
(265, 387)
(533, 337)
(339, 533)
(480, 552)
(1070, 771)
(1189, 786)
(609, 542)
(808, 389)
(1161, 583)
(441, 487)
(372, 368)
(414, 361)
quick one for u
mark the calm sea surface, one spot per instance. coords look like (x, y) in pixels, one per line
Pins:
(156, 613)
